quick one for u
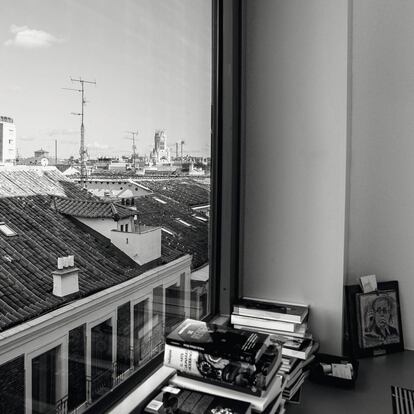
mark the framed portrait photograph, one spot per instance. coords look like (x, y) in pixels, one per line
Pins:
(374, 320)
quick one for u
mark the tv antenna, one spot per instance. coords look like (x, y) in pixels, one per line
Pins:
(134, 148)
(82, 150)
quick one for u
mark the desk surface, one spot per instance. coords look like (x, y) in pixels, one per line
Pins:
(372, 393)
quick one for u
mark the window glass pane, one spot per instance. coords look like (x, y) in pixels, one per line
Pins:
(105, 139)
(12, 387)
(142, 332)
(101, 359)
(44, 382)
(123, 347)
(77, 367)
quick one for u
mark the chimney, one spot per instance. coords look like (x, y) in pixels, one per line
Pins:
(65, 278)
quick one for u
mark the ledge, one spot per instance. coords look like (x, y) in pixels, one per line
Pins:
(142, 391)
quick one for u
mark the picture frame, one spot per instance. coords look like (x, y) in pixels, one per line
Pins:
(374, 324)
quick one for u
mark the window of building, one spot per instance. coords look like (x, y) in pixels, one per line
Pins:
(102, 367)
(6, 230)
(45, 392)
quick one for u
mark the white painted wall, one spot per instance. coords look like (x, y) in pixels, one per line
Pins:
(296, 143)
(143, 247)
(101, 225)
(106, 225)
(381, 232)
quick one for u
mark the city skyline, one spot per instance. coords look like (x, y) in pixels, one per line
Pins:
(153, 71)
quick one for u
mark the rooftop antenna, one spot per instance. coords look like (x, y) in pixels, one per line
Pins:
(82, 150)
(134, 147)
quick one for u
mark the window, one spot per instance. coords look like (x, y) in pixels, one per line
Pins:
(144, 69)
(6, 230)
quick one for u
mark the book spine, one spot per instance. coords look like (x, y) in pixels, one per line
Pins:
(238, 356)
(293, 353)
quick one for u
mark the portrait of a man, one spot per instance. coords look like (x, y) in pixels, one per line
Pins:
(378, 319)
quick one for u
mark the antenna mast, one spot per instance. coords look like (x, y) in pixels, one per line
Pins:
(134, 147)
(82, 150)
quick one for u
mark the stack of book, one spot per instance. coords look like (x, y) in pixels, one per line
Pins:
(238, 364)
(287, 326)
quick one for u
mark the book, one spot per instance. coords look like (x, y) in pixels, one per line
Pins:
(260, 323)
(174, 400)
(292, 373)
(219, 341)
(258, 403)
(299, 334)
(289, 392)
(275, 405)
(238, 375)
(294, 347)
(271, 310)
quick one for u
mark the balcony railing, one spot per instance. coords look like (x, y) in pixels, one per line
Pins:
(100, 384)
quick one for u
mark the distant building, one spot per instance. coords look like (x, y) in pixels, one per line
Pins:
(41, 153)
(161, 153)
(7, 141)
(122, 190)
(41, 157)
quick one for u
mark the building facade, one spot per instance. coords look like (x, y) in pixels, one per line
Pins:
(7, 141)
(161, 153)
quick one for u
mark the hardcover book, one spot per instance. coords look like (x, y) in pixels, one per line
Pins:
(218, 341)
(238, 375)
(299, 334)
(174, 400)
(261, 323)
(258, 403)
(271, 310)
(294, 347)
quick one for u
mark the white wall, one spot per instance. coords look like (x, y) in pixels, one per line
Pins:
(143, 247)
(296, 145)
(101, 225)
(381, 233)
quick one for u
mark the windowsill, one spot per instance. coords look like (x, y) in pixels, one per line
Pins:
(142, 391)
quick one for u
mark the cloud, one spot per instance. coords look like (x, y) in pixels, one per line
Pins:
(25, 37)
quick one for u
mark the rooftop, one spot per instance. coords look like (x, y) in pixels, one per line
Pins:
(18, 181)
(183, 231)
(28, 258)
(187, 191)
(90, 208)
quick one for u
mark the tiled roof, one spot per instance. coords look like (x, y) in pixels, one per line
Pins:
(28, 181)
(184, 232)
(90, 209)
(28, 259)
(187, 191)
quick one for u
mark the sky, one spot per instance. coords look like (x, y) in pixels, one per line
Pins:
(151, 60)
